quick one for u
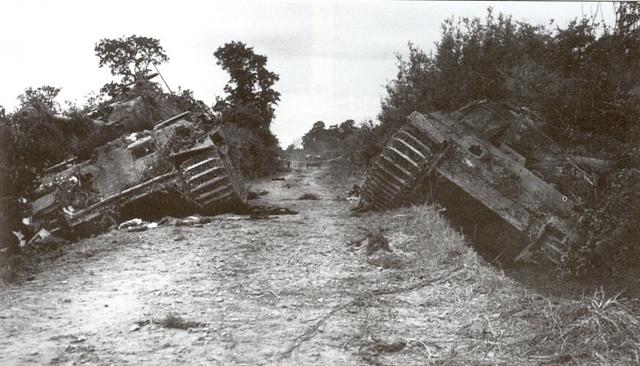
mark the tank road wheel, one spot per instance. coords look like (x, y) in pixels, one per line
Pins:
(207, 181)
(395, 172)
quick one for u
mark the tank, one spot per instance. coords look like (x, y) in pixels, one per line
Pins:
(496, 154)
(82, 197)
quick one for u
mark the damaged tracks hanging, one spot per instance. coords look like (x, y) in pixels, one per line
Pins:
(400, 167)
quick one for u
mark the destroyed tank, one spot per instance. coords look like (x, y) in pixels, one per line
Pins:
(497, 154)
(78, 198)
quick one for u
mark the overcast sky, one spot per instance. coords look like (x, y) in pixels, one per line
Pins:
(333, 58)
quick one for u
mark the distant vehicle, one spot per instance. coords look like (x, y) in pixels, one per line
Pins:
(496, 154)
(82, 197)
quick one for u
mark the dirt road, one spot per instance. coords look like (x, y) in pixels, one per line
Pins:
(283, 290)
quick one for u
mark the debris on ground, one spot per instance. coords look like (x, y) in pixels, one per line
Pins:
(354, 194)
(308, 197)
(139, 324)
(252, 195)
(265, 212)
(194, 221)
(281, 179)
(136, 225)
(175, 321)
(130, 223)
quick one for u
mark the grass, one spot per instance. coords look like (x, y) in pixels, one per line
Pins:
(308, 197)
(595, 328)
(483, 316)
(430, 238)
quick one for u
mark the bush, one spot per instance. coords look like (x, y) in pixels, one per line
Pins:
(254, 152)
(609, 231)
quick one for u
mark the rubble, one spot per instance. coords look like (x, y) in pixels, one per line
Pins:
(496, 154)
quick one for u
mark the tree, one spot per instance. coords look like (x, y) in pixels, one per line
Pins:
(130, 57)
(41, 99)
(250, 96)
(346, 128)
(627, 19)
(312, 140)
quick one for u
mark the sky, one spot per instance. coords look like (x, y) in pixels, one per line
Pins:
(334, 58)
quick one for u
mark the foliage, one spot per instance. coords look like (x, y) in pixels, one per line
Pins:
(38, 136)
(609, 230)
(357, 145)
(249, 107)
(322, 140)
(250, 96)
(184, 100)
(576, 76)
(254, 152)
(130, 57)
(42, 99)
(30, 140)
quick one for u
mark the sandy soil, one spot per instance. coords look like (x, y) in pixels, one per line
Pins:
(285, 290)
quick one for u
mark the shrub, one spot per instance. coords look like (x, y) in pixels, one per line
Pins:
(254, 152)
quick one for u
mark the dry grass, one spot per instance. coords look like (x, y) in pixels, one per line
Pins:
(427, 235)
(596, 328)
(484, 317)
